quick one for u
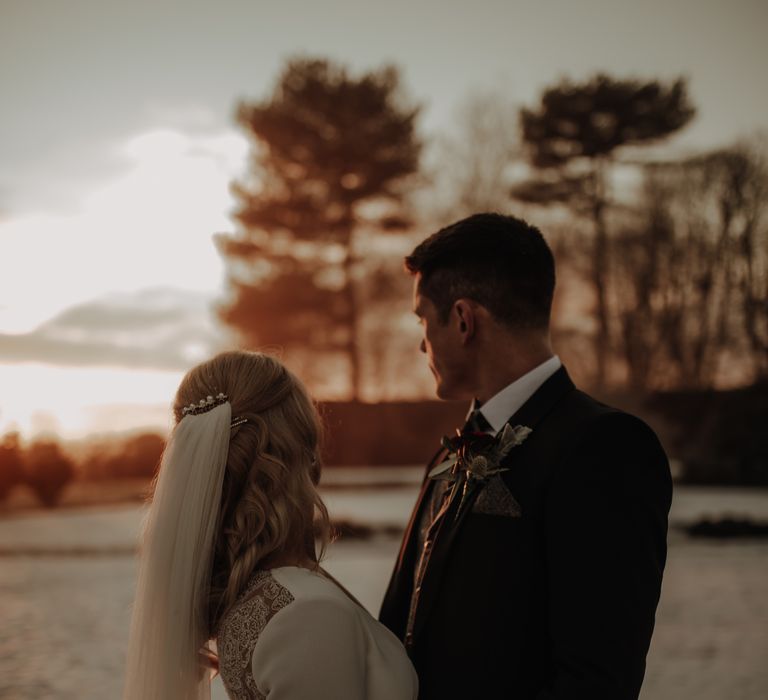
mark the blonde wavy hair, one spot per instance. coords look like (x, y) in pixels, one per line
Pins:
(270, 507)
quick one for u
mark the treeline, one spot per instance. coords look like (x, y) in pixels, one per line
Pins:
(718, 437)
(356, 434)
(46, 467)
(662, 256)
(43, 466)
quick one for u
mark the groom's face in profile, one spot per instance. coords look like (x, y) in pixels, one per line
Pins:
(442, 344)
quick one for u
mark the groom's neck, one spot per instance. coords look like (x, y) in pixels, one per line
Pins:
(507, 358)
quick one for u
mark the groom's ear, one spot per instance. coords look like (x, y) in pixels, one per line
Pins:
(464, 319)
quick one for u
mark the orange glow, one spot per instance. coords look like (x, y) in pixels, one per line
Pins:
(75, 402)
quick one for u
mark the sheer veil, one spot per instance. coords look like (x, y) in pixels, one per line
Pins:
(169, 621)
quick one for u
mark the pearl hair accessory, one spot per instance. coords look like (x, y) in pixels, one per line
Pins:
(204, 405)
(237, 421)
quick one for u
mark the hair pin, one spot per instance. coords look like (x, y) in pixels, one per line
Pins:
(237, 421)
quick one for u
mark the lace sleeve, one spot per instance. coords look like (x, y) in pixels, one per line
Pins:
(314, 649)
(240, 630)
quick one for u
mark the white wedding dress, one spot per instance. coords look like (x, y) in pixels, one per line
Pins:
(295, 635)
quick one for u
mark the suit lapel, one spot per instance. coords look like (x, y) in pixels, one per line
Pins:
(530, 414)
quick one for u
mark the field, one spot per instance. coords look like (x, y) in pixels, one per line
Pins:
(66, 582)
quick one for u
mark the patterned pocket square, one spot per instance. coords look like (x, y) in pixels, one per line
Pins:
(495, 499)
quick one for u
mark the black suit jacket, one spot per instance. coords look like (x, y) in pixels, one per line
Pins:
(558, 602)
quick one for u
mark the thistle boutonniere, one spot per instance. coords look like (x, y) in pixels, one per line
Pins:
(477, 456)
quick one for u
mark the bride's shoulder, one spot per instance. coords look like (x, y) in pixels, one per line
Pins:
(262, 598)
(318, 605)
(271, 591)
(319, 615)
(306, 586)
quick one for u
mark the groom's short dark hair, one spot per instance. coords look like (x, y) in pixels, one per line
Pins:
(499, 261)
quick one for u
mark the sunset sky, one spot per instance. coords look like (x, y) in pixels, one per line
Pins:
(117, 146)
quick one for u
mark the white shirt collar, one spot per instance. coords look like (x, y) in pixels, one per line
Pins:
(502, 406)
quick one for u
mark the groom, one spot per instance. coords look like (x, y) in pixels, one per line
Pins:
(536, 577)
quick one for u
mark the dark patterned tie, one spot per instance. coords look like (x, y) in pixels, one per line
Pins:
(476, 423)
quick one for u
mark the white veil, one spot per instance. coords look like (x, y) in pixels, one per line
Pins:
(169, 622)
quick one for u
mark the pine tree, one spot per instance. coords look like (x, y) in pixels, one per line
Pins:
(331, 153)
(573, 137)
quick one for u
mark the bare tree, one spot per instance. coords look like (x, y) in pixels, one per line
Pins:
(691, 272)
(475, 164)
(743, 210)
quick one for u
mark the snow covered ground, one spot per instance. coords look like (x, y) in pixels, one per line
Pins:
(66, 581)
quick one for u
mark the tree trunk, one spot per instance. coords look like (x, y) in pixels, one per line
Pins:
(350, 290)
(600, 276)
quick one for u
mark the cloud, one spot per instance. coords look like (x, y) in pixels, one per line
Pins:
(149, 225)
(156, 328)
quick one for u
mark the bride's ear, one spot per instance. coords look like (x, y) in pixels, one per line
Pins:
(464, 318)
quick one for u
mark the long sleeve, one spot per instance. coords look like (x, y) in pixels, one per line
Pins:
(312, 649)
(606, 521)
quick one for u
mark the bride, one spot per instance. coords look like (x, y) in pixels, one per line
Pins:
(228, 554)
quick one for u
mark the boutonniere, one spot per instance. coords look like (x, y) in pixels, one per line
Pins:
(477, 456)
